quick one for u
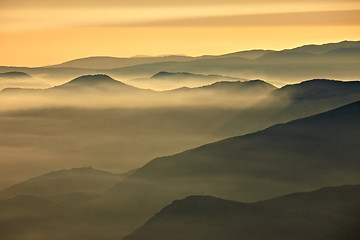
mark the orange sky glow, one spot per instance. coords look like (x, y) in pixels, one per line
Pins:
(38, 32)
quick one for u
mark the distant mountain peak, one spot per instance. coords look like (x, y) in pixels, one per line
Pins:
(97, 81)
(93, 79)
(319, 88)
(14, 74)
(167, 74)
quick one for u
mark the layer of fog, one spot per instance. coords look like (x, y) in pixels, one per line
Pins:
(46, 130)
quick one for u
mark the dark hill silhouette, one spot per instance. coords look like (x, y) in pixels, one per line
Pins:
(98, 82)
(14, 75)
(172, 80)
(92, 83)
(253, 87)
(296, 156)
(307, 215)
(297, 101)
(60, 182)
(301, 155)
(185, 75)
(319, 89)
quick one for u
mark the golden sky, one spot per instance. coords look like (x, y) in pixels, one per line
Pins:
(44, 32)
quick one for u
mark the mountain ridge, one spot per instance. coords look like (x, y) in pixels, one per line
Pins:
(316, 214)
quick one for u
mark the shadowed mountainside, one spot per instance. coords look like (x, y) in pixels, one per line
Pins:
(120, 133)
(308, 215)
(304, 154)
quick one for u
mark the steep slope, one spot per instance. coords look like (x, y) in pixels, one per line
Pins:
(296, 156)
(61, 182)
(307, 215)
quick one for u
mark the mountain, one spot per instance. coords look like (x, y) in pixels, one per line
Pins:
(280, 67)
(312, 52)
(252, 87)
(86, 180)
(14, 74)
(184, 75)
(16, 79)
(92, 83)
(324, 48)
(114, 62)
(304, 154)
(319, 89)
(298, 156)
(250, 54)
(307, 215)
(95, 82)
(171, 80)
(344, 54)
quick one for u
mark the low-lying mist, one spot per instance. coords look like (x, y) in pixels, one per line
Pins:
(97, 121)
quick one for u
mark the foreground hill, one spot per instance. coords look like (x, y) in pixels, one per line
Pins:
(316, 215)
(86, 180)
(303, 154)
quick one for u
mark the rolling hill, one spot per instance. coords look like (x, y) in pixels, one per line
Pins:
(169, 80)
(14, 75)
(304, 154)
(307, 215)
(280, 67)
(84, 180)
